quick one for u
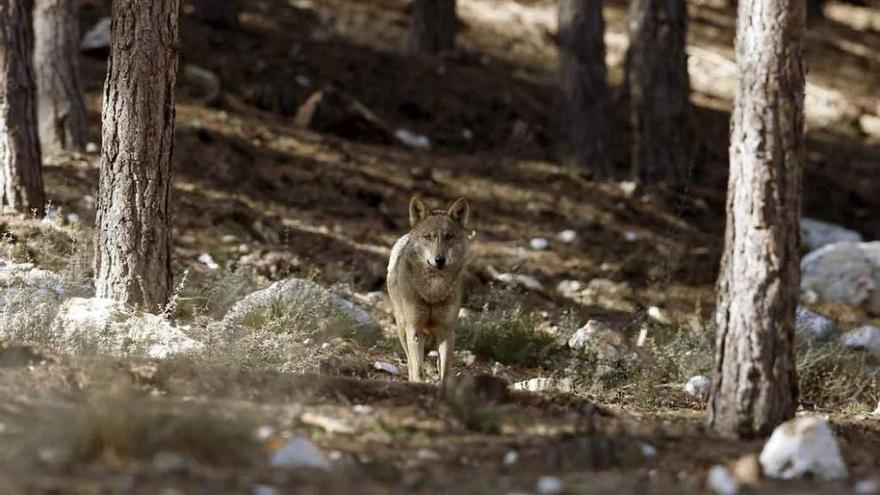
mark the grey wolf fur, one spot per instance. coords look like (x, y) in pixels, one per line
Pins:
(425, 283)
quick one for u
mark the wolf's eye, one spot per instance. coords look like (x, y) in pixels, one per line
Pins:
(449, 236)
(429, 237)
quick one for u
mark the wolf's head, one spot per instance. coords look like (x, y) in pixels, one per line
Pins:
(439, 238)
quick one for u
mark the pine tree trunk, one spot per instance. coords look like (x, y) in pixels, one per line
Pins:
(21, 175)
(132, 244)
(659, 89)
(61, 111)
(222, 13)
(432, 26)
(584, 85)
(755, 385)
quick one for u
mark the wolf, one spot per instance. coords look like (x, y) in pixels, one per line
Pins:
(424, 281)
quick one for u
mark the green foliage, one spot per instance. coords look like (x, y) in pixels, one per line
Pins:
(506, 336)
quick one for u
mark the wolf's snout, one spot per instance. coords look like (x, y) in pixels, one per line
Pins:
(439, 261)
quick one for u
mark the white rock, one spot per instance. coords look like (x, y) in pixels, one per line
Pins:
(659, 315)
(648, 450)
(549, 485)
(630, 236)
(72, 218)
(265, 432)
(698, 386)
(864, 337)
(545, 385)
(813, 325)
(467, 134)
(593, 333)
(208, 260)
(527, 281)
(721, 481)
(867, 487)
(264, 490)
(466, 357)
(98, 37)
(511, 457)
(815, 234)
(539, 243)
(299, 453)
(845, 272)
(92, 147)
(303, 80)
(628, 187)
(412, 139)
(108, 326)
(386, 367)
(567, 236)
(314, 307)
(362, 409)
(463, 313)
(800, 446)
(570, 288)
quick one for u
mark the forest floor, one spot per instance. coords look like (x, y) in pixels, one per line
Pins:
(254, 190)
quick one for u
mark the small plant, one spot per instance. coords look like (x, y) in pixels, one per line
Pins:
(506, 336)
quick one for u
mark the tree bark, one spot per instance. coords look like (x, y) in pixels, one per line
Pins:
(61, 111)
(132, 245)
(222, 13)
(432, 26)
(584, 84)
(659, 89)
(21, 174)
(755, 385)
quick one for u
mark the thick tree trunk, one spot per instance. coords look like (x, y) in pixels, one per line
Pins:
(61, 111)
(432, 26)
(755, 386)
(132, 245)
(659, 89)
(21, 175)
(584, 85)
(222, 13)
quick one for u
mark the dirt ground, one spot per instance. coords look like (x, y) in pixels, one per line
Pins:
(252, 188)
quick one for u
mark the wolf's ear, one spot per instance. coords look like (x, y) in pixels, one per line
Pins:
(418, 210)
(460, 211)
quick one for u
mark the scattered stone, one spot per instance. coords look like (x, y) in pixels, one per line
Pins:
(870, 125)
(207, 82)
(386, 367)
(600, 292)
(816, 234)
(628, 188)
(467, 134)
(747, 469)
(847, 272)
(327, 423)
(264, 490)
(427, 455)
(545, 385)
(867, 487)
(801, 446)
(813, 325)
(510, 458)
(698, 386)
(648, 450)
(303, 80)
(599, 338)
(362, 409)
(98, 37)
(265, 432)
(412, 139)
(630, 236)
(721, 481)
(466, 357)
(92, 147)
(549, 485)
(208, 260)
(659, 315)
(567, 236)
(864, 337)
(570, 288)
(539, 244)
(527, 281)
(108, 326)
(299, 453)
(463, 313)
(72, 218)
(314, 307)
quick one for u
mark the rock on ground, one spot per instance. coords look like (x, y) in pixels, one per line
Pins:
(813, 325)
(545, 385)
(847, 272)
(815, 234)
(801, 446)
(299, 453)
(698, 386)
(29, 300)
(720, 480)
(599, 292)
(303, 306)
(108, 326)
(864, 337)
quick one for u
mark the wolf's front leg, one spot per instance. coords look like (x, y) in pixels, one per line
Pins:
(446, 349)
(415, 343)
